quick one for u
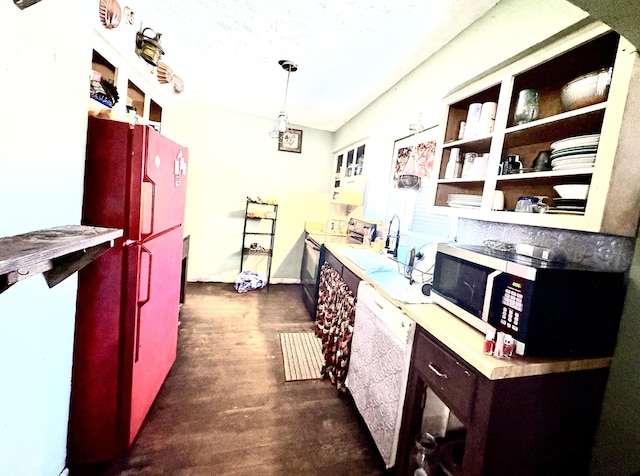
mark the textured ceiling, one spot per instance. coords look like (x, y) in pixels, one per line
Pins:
(348, 51)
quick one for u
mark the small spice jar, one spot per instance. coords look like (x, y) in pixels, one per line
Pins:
(489, 343)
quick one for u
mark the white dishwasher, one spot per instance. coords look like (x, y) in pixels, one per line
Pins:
(379, 366)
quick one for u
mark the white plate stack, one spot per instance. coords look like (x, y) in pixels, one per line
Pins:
(576, 152)
(463, 200)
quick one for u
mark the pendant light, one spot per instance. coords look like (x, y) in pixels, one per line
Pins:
(409, 176)
(282, 122)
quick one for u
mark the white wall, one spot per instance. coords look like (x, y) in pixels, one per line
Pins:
(616, 446)
(509, 28)
(232, 156)
(44, 64)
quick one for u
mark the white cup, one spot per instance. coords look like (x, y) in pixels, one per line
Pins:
(498, 200)
(487, 118)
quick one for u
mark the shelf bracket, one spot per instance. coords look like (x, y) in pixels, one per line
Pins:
(65, 266)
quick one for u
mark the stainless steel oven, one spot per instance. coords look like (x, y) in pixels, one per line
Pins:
(312, 258)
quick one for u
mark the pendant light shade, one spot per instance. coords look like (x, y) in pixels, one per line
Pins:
(282, 122)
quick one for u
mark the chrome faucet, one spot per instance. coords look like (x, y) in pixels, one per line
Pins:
(397, 240)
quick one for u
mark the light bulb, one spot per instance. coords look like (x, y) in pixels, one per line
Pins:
(282, 122)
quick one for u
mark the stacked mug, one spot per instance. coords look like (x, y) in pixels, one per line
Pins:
(481, 118)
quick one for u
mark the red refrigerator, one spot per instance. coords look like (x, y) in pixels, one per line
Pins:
(128, 299)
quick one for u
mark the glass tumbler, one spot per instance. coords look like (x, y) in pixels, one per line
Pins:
(527, 106)
(425, 445)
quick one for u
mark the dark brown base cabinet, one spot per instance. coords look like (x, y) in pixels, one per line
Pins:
(539, 425)
(350, 278)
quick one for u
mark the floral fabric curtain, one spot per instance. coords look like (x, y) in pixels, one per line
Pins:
(335, 317)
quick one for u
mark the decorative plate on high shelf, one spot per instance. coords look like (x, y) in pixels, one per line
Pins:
(164, 73)
(178, 84)
(110, 13)
(129, 15)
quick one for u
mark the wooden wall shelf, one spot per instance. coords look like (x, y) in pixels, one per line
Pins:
(56, 252)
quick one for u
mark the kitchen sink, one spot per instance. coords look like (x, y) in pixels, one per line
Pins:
(387, 274)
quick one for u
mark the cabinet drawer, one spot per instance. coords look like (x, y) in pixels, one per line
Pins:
(449, 378)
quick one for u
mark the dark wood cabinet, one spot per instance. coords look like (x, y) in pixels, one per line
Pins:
(350, 278)
(533, 425)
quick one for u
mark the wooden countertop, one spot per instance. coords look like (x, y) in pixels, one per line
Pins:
(467, 342)
(318, 232)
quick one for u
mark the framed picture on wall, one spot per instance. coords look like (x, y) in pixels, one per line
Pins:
(290, 141)
(407, 164)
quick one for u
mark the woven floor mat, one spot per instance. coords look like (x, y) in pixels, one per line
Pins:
(302, 355)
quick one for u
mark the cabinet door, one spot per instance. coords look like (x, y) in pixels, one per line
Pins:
(334, 262)
(154, 317)
(348, 180)
(351, 279)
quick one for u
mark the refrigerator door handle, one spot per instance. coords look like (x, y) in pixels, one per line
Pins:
(143, 301)
(148, 297)
(152, 213)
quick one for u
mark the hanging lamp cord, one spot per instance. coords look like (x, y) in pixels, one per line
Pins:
(286, 90)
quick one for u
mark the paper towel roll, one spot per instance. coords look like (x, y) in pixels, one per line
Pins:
(454, 158)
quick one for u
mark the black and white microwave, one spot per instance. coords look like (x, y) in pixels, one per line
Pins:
(550, 309)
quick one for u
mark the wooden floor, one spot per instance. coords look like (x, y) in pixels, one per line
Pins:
(225, 408)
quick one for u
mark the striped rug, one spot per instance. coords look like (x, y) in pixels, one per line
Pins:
(302, 355)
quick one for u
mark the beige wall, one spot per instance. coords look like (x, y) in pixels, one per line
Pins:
(232, 156)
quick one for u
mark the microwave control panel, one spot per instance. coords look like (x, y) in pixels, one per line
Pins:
(511, 292)
(511, 308)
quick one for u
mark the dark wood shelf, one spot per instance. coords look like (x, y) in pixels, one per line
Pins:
(56, 253)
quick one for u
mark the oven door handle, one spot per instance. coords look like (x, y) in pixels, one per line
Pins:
(313, 244)
(488, 294)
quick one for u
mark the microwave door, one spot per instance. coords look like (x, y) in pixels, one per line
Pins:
(488, 295)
